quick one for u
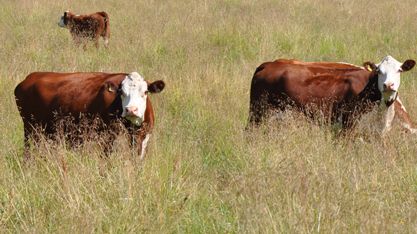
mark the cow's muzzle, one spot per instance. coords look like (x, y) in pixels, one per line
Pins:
(131, 111)
(133, 115)
(389, 87)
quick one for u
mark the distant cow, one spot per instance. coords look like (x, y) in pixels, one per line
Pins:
(112, 98)
(87, 27)
(336, 91)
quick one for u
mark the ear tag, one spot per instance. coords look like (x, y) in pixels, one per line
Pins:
(368, 67)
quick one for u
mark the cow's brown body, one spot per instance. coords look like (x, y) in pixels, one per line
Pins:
(45, 97)
(336, 91)
(88, 27)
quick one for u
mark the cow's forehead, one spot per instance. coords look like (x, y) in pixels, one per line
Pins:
(134, 80)
(389, 63)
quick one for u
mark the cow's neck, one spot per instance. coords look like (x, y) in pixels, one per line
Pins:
(371, 92)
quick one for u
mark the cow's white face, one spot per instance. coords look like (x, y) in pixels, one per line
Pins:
(389, 71)
(134, 92)
(62, 22)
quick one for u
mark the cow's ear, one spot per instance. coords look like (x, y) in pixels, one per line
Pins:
(65, 17)
(408, 65)
(370, 66)
(156, 86)
(110, 87)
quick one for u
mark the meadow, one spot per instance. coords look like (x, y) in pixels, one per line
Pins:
(203, 173)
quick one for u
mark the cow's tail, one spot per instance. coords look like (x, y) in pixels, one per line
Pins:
(106, 32)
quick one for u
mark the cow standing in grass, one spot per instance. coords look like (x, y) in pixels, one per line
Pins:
(45, 97)
(335, 91)
(87, 27)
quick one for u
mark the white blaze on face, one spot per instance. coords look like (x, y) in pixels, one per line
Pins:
(134, 90)
(389, 71)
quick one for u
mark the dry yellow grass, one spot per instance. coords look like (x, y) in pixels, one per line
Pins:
(203, 173)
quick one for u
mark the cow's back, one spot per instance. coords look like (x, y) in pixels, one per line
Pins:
(309, 82)
(306, 85)
(43, 93)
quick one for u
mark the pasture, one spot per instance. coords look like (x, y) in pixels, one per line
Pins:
(203, 173)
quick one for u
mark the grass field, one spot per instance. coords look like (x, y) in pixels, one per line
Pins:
(203, 173)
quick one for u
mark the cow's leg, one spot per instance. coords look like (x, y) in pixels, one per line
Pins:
(138, 141)
(135, 142)
(106, 42)
(84, 45)
(77, 40)
(82, 40)
(96, 39)
(26, 151)
(403, 116)
(29, 134)
(257, 108)
(110, 136)
(108, 148)
(108, 144)
(144, 144)
(106, 33)
(388, 118)
(255, 114)
(348, 124)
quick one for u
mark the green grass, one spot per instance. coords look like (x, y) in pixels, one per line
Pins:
(203, 173)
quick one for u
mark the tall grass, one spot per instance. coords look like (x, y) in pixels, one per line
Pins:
(203, 173)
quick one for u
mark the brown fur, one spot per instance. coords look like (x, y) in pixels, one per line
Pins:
(44, 96)
(332, 90)
(88, 27)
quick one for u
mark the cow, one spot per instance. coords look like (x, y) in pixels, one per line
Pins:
(45, 97)
(87, 27)
(339, 92)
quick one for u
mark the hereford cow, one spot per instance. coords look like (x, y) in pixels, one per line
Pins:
(44, 97)
(87, 27)
(335, 91)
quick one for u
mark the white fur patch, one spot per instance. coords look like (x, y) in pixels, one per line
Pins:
(134, 95)
(388, 118)
(61, 23)
(389, 71)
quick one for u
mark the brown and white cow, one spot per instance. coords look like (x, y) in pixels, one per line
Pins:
(87, 27)
(336, 91)
(110, 97)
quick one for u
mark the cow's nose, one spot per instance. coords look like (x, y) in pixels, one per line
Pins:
(388, 86)
(130, 111)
